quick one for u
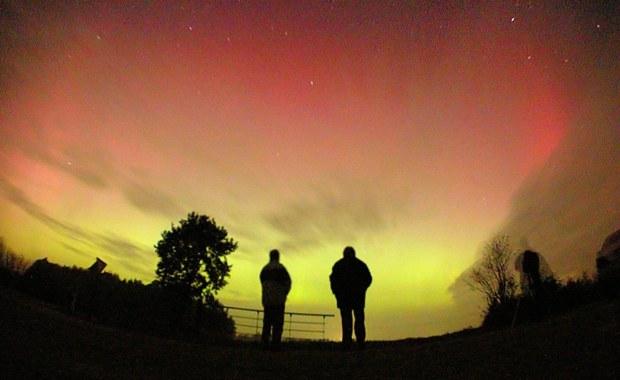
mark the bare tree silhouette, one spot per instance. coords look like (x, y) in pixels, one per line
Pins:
(493, 277)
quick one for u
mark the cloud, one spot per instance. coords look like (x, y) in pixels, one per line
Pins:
(18, 197)
(567, 208)
(88, 165)
(86, 162)
(333, 217)
(151, 200)
(91, 167)
(120, 247)
(124, 252)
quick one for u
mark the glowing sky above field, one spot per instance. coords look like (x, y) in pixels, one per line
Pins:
(405, 130)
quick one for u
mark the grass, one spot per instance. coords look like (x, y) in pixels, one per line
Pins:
(40, 342)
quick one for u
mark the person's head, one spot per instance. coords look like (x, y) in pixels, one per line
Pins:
(274, 255)
(349, 252)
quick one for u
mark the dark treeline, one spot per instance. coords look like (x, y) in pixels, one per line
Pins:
(540, 294)
(130, 304)
(155, 309)
(555, 298)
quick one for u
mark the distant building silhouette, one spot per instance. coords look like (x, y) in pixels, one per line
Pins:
(98, 266)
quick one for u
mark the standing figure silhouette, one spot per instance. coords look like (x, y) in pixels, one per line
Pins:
(531, 269)
(349, 280)
(276, 284)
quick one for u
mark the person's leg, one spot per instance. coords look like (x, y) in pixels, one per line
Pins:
(278, 325)
(360, 328)
(267, 324)
(347, 325)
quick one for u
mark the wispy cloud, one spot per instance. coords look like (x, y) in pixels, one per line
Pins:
(151, 200)
(86, 163)
(18, 197)
(120, 247)
(332, 217)
(126, 253)
(93, 168)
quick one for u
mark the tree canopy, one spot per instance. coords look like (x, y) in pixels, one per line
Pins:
(193, 257)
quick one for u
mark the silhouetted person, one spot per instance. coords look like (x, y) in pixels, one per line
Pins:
(531, 269)
(349, 280)
(276, 284)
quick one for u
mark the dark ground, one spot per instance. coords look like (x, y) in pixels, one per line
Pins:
(39, 342)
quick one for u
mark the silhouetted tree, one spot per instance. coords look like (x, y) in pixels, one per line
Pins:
(492, 277)
(193, 258)
(12, 265)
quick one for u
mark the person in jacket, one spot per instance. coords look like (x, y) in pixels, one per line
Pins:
(349, 280)
(276, 284)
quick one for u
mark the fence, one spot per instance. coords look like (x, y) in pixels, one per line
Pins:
(303, 324)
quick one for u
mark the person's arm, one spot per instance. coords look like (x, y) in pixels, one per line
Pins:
(334, 280)
(368, 277)
(288, 283)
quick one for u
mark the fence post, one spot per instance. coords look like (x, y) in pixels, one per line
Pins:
(290, 325)
(257, 325)
(256, 331)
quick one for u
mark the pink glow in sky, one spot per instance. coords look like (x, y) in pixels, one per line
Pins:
(409, 131)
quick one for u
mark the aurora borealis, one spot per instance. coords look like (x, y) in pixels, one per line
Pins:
(412, 131)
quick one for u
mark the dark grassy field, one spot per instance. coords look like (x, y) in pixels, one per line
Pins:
(39, 342)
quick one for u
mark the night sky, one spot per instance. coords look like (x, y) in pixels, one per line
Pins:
(412, 131)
